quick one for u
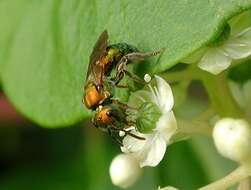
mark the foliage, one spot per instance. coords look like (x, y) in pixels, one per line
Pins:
(45, 45)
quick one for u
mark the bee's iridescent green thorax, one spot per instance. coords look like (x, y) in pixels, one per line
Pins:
(123, 48)
(115, 52)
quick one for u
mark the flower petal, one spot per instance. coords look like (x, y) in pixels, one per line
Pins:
(240, 46)
(214, 61)
(132, 144)
(153, 152)
(148, 152)
(164, 95)
(167, 125)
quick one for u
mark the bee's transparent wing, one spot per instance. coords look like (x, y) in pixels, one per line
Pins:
(98, 51)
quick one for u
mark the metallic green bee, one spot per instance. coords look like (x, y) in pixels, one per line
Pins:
(103, 60)
(97, 91)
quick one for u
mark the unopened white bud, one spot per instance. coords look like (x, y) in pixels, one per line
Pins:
(124, 170)
(232, 138)
(147, 78)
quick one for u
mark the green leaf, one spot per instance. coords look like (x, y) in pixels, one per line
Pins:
(45, 45)
(9, 23)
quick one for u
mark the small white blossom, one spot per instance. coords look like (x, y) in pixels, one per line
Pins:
(124, 170)
(149, 152)
(232, 138)
(217, 58)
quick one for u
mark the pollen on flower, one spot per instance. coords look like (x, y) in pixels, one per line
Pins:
(147, 78)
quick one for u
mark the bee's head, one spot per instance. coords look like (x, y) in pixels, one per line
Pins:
(103, 116)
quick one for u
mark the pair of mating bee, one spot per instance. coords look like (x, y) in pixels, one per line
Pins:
(110, 114)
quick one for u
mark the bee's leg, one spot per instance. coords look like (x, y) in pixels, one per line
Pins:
(135, 77)
(120, 71)
(135, 136)
(135, 56)
(115, 101)
(140, 56)
(115, 139)
(94, 123)
(128, 133)
(123, 105)
(113, 83)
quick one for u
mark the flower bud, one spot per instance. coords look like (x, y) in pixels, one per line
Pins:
(232, 138)
(124, 170)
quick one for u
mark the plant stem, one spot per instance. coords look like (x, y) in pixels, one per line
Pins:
(206, 115)
(192, 128)
(236, 176)
(217, 88)
(220, 95)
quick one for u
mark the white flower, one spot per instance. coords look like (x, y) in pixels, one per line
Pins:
(149, 152)
(232, 138)
(217, 58)
(124, 170)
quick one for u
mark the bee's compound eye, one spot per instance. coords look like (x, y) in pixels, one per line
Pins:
(99, 87)
(108, 113)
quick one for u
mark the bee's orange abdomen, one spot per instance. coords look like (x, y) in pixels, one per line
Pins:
(92, 98)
